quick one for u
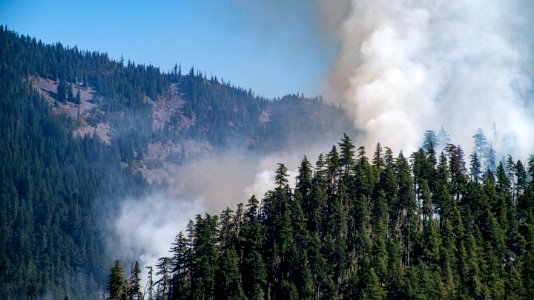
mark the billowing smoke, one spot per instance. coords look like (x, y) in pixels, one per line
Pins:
(407, 66)
(145, 227)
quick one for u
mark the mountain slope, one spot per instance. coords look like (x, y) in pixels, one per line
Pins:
(79, 129)
(51, 190)
(136, 106)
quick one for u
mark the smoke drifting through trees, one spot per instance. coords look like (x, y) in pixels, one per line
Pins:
(390, 227)
(414, 65)
(207, 185)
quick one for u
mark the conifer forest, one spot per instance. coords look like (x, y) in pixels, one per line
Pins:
(360, 225)
(125, 181)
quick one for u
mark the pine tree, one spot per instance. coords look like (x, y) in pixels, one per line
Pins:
(333, 166)
(431, 243)
(408, 209)
(180, 285)
(372, 288)
(527, 270)
(70, 95)
(378, 160)
(281, 176)
(164, 267)
(205, 256)
(475, 168)
(481, 146)
(227, 279)
(135, 283)
(430, 140)
(117, 287)
(253, 271)
(379, 221)
(346, 153)
(78, 98)
(62, 91)
(443, 139)
(150, 283)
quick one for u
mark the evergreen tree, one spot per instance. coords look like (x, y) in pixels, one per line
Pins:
(227, 279)
(62, 91)
(475, 170)
(204, 257)
(253, 270)
(281, 176)
(180, 286)
(481, 145)
(164, 267)
(430, 140)
(78, 98)
(378, 160)
(346, 153)
(70, 95)
(135, 283)
(117, 287)
(150, 283)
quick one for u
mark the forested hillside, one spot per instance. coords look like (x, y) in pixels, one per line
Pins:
(51, 190)
(80, 131)
(358, 227)
(153, 119)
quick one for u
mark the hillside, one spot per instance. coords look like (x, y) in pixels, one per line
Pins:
(157, 118)
(79, 129)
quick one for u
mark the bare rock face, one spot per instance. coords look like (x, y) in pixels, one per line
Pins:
(166, 106)
(79, 112)
(102, 130)
(159, 161)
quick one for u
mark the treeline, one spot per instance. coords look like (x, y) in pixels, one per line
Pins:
(354, 227)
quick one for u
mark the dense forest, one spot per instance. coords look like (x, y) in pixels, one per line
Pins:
(57, 187)
(51, 188)
(357, 227)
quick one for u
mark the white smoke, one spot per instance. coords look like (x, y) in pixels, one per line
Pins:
(405, 66)
(145, 227)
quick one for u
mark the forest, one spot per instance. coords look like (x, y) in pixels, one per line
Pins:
(58, 190)
(432, 225)
(435, 224)
(52, 188)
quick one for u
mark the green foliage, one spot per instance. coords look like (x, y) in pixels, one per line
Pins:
(404, 230)
(52, 188)
(118, 289)
(134, 289)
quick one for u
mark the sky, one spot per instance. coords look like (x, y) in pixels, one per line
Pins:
(252, 44)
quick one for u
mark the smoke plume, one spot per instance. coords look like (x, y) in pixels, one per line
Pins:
(407, 66)
(145, 227)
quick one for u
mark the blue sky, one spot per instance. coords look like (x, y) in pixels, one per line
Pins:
(274, 49)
